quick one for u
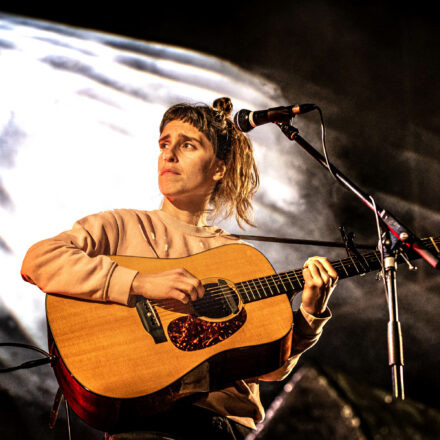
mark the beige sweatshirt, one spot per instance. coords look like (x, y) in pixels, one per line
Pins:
(76, 263)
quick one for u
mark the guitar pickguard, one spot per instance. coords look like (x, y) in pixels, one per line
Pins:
(189, 333)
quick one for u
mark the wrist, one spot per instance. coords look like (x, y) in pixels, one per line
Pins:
(133, 285)
(138, 286)
(318, 312)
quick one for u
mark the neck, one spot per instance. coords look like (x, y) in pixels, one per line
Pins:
(193, 214)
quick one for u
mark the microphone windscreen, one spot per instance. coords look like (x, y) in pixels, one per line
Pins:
(241, 120)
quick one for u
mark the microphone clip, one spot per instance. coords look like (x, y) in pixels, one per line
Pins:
(289, 130)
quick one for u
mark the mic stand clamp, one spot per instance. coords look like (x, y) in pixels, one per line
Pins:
(352, 251)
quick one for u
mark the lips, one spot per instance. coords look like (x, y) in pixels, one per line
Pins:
(168, 171)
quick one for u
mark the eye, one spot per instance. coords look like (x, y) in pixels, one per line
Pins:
(188, 146)
(162, 145)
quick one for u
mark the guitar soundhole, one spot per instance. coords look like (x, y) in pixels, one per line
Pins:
(220, 300)
(189, 333)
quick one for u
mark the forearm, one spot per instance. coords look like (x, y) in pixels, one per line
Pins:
(73, 263)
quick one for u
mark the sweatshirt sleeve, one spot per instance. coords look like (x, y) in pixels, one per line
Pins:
(76, 263)
(306, 332)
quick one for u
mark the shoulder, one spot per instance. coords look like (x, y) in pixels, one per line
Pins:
(118, 214)
(113, 218)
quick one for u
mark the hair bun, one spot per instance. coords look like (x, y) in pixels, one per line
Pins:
(223, 105)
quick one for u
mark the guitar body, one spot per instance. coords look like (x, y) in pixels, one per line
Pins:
(114, 373)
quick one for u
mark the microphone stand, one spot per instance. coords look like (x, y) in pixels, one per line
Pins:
(394, 333)
(396, 240)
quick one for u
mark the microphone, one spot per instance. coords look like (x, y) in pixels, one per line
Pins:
(245, 120)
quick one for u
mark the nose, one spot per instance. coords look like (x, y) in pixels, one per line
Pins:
(169, 155)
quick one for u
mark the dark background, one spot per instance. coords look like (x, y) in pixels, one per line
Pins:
(373, 67)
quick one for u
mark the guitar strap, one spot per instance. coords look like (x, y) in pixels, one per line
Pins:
(300, 241)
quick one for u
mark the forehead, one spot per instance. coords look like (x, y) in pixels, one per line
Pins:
(185, 129)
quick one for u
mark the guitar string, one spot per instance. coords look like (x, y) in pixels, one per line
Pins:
(283, 277)
(226, 292)
(346, 264)
(279, 280)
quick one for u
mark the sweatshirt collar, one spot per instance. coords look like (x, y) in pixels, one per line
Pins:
(201, 231)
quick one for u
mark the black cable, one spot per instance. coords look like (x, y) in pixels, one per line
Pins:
(69, 431)
(49, 358)
(380, 245)
(324, 146)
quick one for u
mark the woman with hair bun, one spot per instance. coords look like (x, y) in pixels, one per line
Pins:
(206, 170)
(233, 193)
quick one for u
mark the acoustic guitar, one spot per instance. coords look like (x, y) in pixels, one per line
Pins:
(118, 365)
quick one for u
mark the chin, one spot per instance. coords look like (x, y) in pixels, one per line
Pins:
(170, 195)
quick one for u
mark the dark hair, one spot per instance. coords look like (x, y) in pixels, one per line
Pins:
(234, 193)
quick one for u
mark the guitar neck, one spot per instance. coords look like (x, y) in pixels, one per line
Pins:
(292, 282)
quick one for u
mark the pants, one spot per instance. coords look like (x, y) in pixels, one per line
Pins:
(191, 423)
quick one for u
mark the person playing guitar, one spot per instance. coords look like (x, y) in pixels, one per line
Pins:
(206, 168)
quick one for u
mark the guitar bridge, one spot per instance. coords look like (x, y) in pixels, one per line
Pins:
(150, 320)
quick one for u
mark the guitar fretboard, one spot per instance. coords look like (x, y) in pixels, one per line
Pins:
(292, 282)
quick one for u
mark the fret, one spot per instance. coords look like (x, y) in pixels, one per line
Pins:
(366, 262)
(343, 267)
(276, 284)
(245, 291)
(251, 292)
(290, 282)
(255, 289)
(352, 259)
(273, 285)
(268, 285)
(248, 291)
(435, 245)
(351, 267)
(369, 256)
(262, 287)
(377, 258)
(299, 281)
(376, 262)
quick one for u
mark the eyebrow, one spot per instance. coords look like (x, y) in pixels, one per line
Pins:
(184, 137)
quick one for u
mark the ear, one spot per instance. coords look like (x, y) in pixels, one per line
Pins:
(219, 170)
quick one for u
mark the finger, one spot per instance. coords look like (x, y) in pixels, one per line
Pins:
(312, 280)
(200, 290)
(328, 273)
(329, 268)
(307, 275)
(188, 289)
(180, 296)
(325, 277)
(314, 298)
(326, 265)
(317, 278)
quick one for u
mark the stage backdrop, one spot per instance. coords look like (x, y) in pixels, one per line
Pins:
(79, 120)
